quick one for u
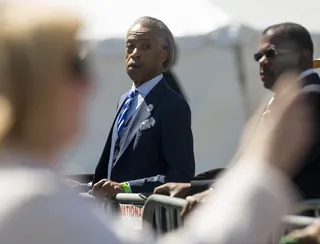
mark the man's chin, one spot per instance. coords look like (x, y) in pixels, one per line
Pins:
(268, 84)
(134, 76)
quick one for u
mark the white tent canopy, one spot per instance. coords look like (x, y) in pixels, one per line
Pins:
(260, 13)
(109, 19)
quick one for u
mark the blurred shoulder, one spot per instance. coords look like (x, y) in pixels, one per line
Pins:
(37, 196)
(20, 184)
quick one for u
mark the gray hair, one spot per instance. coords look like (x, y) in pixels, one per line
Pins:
(167, 36)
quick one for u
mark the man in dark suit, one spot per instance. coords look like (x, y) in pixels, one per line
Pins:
(150, 141)
(283, 47)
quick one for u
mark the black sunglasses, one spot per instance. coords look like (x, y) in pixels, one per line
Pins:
(270, 52)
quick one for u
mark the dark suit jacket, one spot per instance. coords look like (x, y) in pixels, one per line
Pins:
(307, 179)
(162, 153)
(205, 180)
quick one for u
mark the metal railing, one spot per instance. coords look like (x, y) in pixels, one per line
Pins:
(298, 221)
(124, 198)
(114, 203)
(163, 212)
(131, 198)
(292, 222)
(127, 206)
(312, 204)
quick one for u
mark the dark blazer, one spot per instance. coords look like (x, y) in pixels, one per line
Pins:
(307, 179)
(153, 156)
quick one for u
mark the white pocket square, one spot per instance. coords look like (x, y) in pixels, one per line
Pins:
(147, 124)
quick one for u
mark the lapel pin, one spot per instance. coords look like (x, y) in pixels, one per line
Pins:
(150, 107)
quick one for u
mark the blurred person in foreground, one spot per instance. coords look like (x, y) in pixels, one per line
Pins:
(309, 234)
(251, 197)
(282, 47)
(43, 90)
(150, 141)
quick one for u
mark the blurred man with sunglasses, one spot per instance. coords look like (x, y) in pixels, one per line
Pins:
(282, 47)
(288, 46)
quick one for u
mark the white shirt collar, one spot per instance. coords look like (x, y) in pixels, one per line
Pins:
(306, 73)
(146, 87)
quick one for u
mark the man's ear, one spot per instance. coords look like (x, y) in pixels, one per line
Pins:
(305, 56)
(164, 55)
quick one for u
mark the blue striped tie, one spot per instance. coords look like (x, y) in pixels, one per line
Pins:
(125, 109)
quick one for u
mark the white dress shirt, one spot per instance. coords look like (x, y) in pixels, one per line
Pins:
(141, 92)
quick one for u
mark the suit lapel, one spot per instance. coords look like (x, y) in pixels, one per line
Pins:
(114, 132)
(143, 113)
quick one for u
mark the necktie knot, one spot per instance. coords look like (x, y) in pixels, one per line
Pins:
(132, 93)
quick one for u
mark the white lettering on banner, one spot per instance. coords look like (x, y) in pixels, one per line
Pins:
(132, 213)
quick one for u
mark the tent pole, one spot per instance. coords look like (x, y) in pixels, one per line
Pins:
(240, 66)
